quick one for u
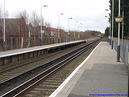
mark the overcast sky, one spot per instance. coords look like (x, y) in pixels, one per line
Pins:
(86, 14)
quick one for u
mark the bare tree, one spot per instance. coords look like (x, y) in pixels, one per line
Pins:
(0, 13)
(6, 14)
(23, 27)
(25, 15)
(35, 20)
(47, 24)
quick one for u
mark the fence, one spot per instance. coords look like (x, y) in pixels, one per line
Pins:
(124, 50)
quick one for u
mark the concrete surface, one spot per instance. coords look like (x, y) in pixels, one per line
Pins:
(105, 77)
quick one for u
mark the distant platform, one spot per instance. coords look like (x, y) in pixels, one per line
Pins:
(36, 48)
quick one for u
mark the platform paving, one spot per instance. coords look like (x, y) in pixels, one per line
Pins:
(100, 74)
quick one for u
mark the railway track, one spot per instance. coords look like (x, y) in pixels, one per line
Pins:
(9, 73)
(31, 77)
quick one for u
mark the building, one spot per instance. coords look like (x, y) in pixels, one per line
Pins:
(16, 32)
(19, 34)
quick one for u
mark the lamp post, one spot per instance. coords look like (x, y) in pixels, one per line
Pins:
(41, 29)
(119, 19)
(112, 21)
(77, 35)
(4, 26)
(41, 26)
(81, 25)
(29, 38)
(69, 29)
(59, 26)
(78, 27)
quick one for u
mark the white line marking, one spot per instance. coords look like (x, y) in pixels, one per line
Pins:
(55, 93)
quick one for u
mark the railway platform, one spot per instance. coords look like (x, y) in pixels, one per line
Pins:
(98, 74)
(36, 48)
